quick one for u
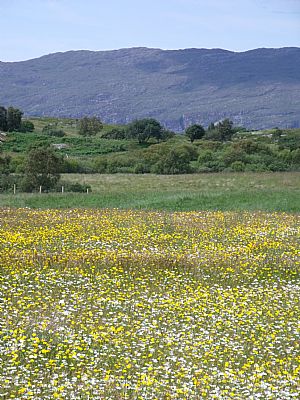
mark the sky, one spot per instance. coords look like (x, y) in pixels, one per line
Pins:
(32, 28)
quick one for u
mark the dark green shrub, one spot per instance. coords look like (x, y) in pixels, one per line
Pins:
(56, 133)
(141, 168)
(89, 126)
(213, 134)
(247, 146)
(167, 135)
(73, 166)
(17, 164)
(120, 163)
(7, 182)
(115, 133)
(276, 135)
(289, 140)
(278, 165)
(5, 164)
(100, 165)
(176, 161)
(231, 155)
(205, 156)
(222, 131)
(194, 132)
(209, 145)
(42, 168)
(213, 166)
(284, 155)
(203, 169)
(258, 167)
(144, 129)
(295, 157)
(237, 166)
(26, 126)
(14, 119)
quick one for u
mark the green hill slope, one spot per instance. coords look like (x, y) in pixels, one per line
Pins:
(257, 89)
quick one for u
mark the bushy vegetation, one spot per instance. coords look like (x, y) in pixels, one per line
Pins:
(145, 146)
(248, 154)
(245, 153)
(53, 130)
(11, 120)
(194, 132)
(90, 126)
(145, 129)
(42, 167)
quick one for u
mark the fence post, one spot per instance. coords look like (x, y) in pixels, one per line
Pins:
(40, 189)
(14, 188)
(87, 190)
(62, 189)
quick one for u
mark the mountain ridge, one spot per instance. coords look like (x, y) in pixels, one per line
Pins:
(257, 88)
(199, 49)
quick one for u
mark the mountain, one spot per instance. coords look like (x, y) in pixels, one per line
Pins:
(257, 88)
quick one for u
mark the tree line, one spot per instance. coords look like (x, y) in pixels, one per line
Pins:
(141, 129)
(214, 149)
(144, 129)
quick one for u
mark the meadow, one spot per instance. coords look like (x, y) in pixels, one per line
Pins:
(134, 304)
(276, 191)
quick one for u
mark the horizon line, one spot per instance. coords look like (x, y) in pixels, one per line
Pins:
(149, 48)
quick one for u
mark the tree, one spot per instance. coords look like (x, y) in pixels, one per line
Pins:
(167, 134)
(11, 120)
(4, 164)
(194, 132)
(41, 169)
(90, 126)
(14, 119)
(225, 129)
(5, 177)
(3, 119)
(211, 126)
(26, 126)
(144, 129)
(114, 133)
(52, 130)
(175, 161)
(276, 135)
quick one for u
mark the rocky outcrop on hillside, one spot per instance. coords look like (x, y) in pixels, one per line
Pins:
(258, 88)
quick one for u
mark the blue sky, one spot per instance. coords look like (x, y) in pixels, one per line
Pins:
(31, 28)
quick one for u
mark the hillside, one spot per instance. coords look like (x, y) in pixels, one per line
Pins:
(256, 151)
(258, 88)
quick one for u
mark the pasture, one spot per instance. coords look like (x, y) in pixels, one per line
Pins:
(278, 191)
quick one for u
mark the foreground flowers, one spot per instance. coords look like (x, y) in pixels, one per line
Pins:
(144, 305)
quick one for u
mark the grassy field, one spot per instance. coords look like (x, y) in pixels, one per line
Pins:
(68, 125)
(76, 146)
(120, 302)
(123, 304)
(231, 191)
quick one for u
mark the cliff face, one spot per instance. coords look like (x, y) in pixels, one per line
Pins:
(258, 88)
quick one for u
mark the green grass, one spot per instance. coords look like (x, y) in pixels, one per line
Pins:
(20, 143)
(77, 146)
(245, 191)
(68, 125)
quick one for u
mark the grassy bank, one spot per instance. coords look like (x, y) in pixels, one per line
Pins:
(244, 191)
